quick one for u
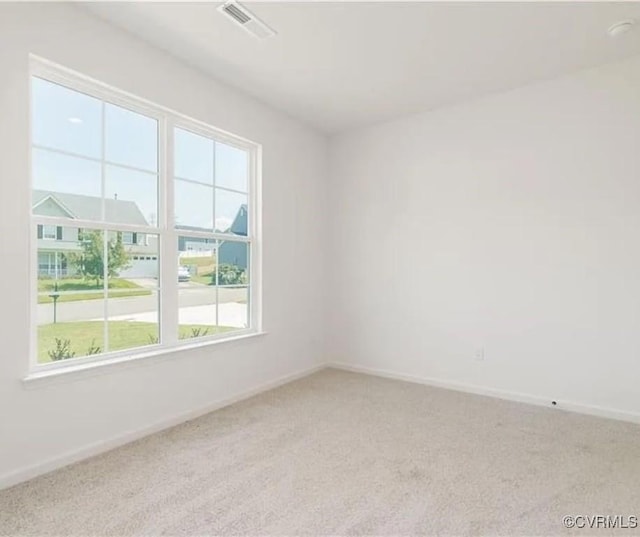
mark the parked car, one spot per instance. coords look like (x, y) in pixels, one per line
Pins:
(183, 274)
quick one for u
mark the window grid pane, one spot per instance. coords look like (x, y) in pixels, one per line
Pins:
(78, 292)
(98, 288)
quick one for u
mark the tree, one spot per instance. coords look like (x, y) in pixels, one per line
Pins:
(90, 262)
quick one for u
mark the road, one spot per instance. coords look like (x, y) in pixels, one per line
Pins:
(197, 306)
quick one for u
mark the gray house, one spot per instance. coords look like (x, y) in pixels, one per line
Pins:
(55, 242)
(231, 253)
(236, 253)
(195, 245)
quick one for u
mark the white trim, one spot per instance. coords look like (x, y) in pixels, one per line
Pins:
(200, 128)
(254, 230)
(568, 406)
(81, 363)
(43, 68)
(167, 121)
(32, 242)
(96, 448)
(57, 74)
(168, 242)
(104, 362)
(215, 217)
(31, 471)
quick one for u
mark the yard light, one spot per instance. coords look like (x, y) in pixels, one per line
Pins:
(55, 296)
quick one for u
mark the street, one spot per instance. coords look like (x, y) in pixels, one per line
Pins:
(197, 306)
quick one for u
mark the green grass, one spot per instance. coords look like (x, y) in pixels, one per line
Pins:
(204, 279)
(118, 288)
(122, 335)
(205, 268)
(198, 261)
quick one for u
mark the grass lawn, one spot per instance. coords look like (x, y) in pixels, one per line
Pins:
(205, 268)
(117, 288)
(204, 279)
(122, 335)
(205, 261)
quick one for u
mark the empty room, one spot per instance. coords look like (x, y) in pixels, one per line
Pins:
(319, 268)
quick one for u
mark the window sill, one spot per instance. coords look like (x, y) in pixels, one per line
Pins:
(42, 377)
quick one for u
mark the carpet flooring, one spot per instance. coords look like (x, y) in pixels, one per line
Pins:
(340, 453)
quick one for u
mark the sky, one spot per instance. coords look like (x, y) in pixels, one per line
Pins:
(66, 120)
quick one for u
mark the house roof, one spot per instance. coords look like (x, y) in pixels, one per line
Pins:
(239, 225)
(90, 207)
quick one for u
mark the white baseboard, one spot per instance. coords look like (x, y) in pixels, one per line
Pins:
(491, 392)
(54, 463)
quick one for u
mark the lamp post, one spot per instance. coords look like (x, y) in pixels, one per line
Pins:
(55, 296)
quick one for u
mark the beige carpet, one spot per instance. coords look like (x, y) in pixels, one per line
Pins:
(346, 454)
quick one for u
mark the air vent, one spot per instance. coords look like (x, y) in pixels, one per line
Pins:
(235, 12)
(241, 16)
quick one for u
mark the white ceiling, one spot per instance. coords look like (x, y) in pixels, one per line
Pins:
(341, 65)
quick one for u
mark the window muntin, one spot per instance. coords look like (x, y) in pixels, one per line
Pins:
(80, 296)
(215, 273)
(109, 147)
(118, 185)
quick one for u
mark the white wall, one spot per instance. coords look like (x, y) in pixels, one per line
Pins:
(49, 422)
(510, 223)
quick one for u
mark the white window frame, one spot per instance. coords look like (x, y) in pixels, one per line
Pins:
(168, 120)
(51, 236)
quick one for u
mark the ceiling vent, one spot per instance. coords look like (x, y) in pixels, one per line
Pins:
(241, 16)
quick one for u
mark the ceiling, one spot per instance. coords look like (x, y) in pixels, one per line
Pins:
(342, 65)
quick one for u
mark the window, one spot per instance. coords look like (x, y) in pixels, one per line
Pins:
(143, 225)
(129, 237)
(49, 233)
(212, 219)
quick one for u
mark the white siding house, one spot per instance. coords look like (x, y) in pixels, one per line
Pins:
(55, 243)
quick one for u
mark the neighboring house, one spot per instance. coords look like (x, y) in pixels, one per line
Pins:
(56, 242)
(235, 253)
(195, 246)
(231, 253)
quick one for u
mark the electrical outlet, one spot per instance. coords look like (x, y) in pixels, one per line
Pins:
(479, 355)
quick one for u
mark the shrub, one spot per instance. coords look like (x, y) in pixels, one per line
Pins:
(93, 348)
(196, 331)
(62, 350)
(230, 275)
(199, 332)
